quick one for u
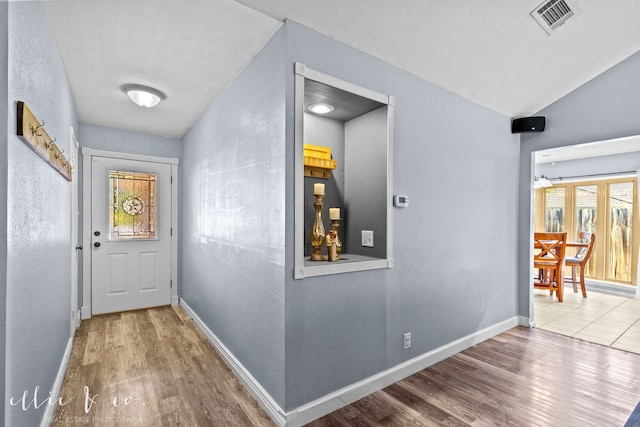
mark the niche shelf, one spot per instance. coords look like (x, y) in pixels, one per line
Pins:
(360, 181)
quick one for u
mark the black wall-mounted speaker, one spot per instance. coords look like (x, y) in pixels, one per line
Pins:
(528, 124)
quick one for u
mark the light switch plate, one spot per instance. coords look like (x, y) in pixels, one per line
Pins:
(367, 238)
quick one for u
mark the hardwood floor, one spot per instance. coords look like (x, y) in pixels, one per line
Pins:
(523, 377)
(151, 368)
(154, 367)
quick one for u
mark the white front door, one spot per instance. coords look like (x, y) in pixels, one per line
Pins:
(130, 236)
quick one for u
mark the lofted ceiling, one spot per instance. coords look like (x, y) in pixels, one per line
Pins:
(491, 51)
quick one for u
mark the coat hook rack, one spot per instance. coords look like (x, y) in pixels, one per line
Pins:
(32, 132)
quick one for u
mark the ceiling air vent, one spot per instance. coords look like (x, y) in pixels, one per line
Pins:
(551, 14)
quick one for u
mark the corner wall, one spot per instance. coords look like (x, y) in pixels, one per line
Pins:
(38, 217)
(233, 222)
(606, 107)
(458, 163)
(4, 105)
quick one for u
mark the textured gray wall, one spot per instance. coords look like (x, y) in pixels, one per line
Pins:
(607, 107)
(458, 163)
(110, 139)
(233, 222)
(366, 183)
(38, 202)
(4, 106)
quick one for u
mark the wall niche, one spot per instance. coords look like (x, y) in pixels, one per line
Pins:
(357, 128)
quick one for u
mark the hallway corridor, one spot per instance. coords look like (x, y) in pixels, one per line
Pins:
(150, 368)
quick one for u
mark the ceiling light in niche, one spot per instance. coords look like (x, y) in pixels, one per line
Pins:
(144, 96)
(321, 108)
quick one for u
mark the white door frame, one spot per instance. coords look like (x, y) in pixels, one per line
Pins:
(87, 153)
(73, 160)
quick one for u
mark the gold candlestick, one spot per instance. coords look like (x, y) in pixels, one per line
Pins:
(335, 224)
(317, 231)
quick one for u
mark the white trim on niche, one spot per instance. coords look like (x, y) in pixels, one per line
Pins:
(301, 271)
(87, 153)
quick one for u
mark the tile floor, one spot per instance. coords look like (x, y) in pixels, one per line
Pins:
(601, 318)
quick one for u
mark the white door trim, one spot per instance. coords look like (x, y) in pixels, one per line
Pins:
(87, 153)
(74, 212)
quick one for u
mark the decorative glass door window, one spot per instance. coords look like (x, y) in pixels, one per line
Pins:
(132, 205)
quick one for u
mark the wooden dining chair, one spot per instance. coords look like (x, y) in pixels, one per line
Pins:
(548, 259)
(580, 261)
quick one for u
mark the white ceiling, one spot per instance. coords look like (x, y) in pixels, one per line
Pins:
(489, 51)
(188, 49)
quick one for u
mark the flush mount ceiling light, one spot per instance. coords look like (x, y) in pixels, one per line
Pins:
(143, 96)
(321, 108)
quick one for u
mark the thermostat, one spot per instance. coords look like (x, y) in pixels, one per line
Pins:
(400, 201)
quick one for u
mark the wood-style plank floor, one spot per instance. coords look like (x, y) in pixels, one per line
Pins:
(523, 377)
(153, 367)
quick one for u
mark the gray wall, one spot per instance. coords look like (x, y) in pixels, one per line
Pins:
(122, 141)
(606, 107)
(592, 166)
(446, 283)
(233, 226)
(366, 182)
(4, 105)
(38, 219)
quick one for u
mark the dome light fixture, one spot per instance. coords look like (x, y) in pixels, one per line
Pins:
(144, 96)
(321, 108)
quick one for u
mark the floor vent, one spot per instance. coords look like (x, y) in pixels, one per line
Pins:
(551, 14)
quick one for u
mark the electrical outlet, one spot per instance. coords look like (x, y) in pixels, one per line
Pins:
(367, 238)
(407, 340)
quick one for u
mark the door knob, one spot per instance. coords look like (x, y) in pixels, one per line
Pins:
(96, 244)
(96, 233)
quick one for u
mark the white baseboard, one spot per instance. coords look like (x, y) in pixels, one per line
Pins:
(85, 312)
(57, 386)
(264, 399)
(525, 321)
(347, 395)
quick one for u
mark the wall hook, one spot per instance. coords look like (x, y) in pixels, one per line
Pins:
(59, 154)
(35, 129)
